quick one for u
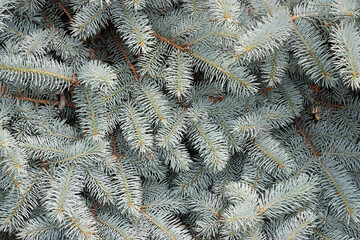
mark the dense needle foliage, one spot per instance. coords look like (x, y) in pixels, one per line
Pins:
(179, 119)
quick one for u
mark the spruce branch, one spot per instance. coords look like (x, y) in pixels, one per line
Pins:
(46, 19)
(40, 101)
(206, 119)
(64, 9)
(172, 43)
(313, 151)
(125, 56)
(329, 104)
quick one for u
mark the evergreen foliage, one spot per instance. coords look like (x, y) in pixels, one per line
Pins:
(179, 119)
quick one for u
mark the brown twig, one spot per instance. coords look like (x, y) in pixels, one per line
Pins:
(42, 101)
(46, 19)
(39, 101)
(169, 41)
(125, 56)
(114, 145)
(64, 9)
(265, 91)
(46, 167)
(74, 81)
(183, 105)
(328, 104)
(313, 151)
(3, 90)
(93, 210)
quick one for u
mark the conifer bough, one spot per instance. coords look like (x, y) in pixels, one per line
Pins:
(179, 119)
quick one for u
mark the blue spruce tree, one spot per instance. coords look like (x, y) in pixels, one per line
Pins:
(179, 119)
